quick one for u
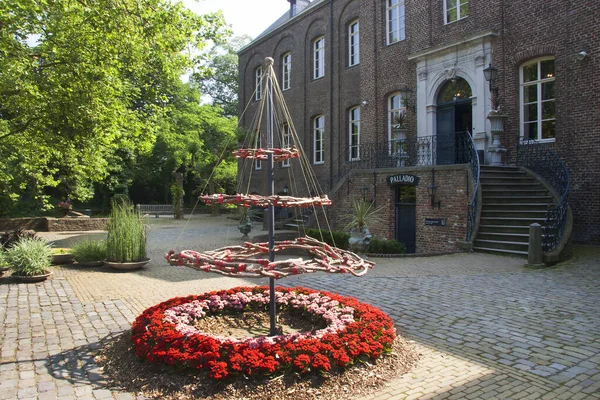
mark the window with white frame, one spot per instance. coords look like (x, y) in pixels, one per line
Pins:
(258, 161)
(396, 113)
(319, 139)
(258, 78)
(286, 142)
(354, 132)
(286, 71)
(319, 58)
(538, 100)
(455, 10)
(396, 29)
(353, 44)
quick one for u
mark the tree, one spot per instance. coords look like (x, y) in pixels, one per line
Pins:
(84, 85)
(218, 75)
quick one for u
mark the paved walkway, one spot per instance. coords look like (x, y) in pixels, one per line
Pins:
(484, 326)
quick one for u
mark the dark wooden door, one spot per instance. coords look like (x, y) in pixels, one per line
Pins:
(445, 135)
(406, 217)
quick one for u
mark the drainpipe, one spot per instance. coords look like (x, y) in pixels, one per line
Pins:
(331, 119)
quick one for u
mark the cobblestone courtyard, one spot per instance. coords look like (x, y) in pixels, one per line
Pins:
(485, 326)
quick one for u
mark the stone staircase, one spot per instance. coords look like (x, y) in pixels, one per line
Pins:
(512, 200)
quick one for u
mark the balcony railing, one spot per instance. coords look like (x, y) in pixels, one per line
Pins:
(409, 152)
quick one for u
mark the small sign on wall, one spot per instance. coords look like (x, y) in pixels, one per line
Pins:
(435, 221)
(403, 179)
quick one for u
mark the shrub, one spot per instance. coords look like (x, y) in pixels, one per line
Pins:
(89, 250)
(10, 238)
(333, 238)
(3, 261)
(126, 237)
(29, 257)
(385, 246)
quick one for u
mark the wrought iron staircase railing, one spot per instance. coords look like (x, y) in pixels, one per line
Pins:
(475, 171)
(541, 159)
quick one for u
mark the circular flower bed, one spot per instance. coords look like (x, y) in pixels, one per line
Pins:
(166, 333)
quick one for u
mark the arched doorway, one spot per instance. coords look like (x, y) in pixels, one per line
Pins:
(454, 114)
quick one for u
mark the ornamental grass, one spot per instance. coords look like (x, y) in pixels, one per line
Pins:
(126, 237)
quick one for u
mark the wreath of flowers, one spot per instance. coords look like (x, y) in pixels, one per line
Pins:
(164, 333)
(263, 154)
(247, 200)
(242, 260)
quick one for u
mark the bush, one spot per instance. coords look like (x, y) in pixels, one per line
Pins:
(3, 261)
(333, 238)
(29, 257)
(126, 237)
(385, 246)
(89, 250)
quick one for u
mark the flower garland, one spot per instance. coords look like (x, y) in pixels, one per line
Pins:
(263, 154)
(163, 334)
(242, 260)
(247, 200)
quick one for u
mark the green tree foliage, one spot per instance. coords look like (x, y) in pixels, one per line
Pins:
(218, 75)
(84, 87)
(193, 139)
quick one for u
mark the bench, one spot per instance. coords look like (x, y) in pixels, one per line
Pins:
(156, 209)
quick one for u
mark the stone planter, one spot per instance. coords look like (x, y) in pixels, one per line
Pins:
(32, 278)
(58, 259)
(496, 122)
(126, 266)
(3, 270)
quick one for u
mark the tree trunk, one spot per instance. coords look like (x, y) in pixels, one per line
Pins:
(178, 202)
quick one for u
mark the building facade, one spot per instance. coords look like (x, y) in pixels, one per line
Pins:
(362, 76)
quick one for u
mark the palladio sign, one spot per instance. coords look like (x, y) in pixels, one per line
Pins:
(403, 179)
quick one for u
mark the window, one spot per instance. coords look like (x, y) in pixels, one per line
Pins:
(286, 142)
(318, 140)
(258, 162)
(395, 21)
(258, 77)
(319, 58)
(396, 114)
(353, 44)
(286, 70)
(455, 10)
(538, 110)
(354, 139)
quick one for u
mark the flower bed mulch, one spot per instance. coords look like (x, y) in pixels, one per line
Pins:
(212, 345)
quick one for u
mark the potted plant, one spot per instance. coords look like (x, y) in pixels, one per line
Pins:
(29, 260)
(61, 255)
(4, 266)
(90, 253)
(65, 207)
(399, 124)
(126, 237)
(247, 215)
(363, 214)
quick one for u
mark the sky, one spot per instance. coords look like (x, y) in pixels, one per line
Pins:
(249, 17)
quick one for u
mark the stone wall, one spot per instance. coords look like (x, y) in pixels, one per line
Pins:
(45, 224)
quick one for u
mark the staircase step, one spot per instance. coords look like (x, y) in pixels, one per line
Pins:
(516, 199)
(511, 221)
(509, 180)
(508, 236)
(515, 204)
(495, 172)
(488, 250)
(492, 185)
(520, 229)
(501, 244)
(514, 212)
(500, 168)
(487, 192)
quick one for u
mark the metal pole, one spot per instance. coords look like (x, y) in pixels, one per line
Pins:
(271, 189)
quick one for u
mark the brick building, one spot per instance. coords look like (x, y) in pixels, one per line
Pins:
(349, 67)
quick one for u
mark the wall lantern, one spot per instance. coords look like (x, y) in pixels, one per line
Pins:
(431, 191)
(364, 190)
(406, 94)
(491, 74)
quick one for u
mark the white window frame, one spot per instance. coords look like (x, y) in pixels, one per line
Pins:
(458, 14)
(319, 57)
(286, 71)
(395, 11)
(286, 142)
(319, 139)
(354, 132)
(539, 99)
(353, 43)
(392, 110)
(258, 80)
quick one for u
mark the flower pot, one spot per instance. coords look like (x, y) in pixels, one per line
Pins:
(32, 278)
(3, 270)
(91, 263)
(126, 266)
(496, 122)
(58, 259)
